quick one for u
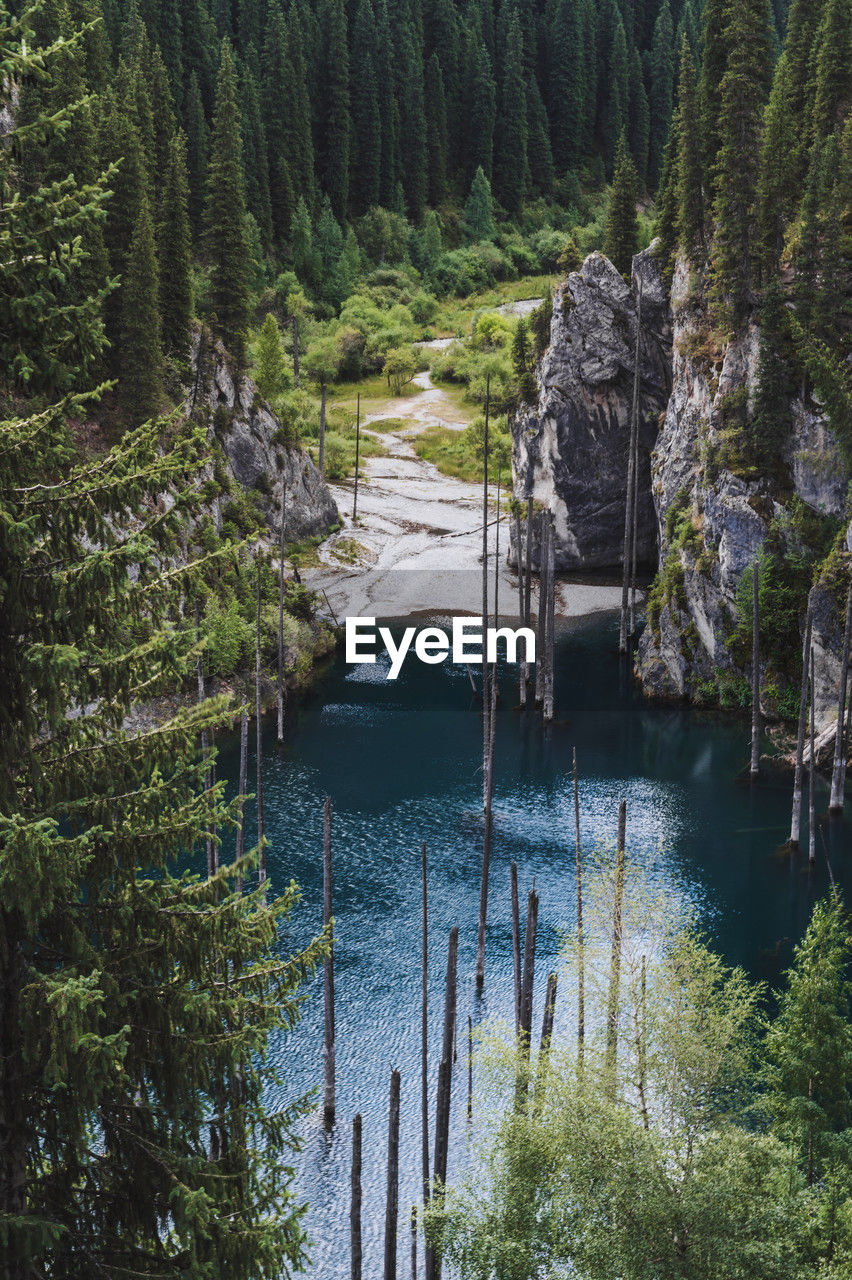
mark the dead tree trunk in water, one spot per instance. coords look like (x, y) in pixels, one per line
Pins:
(522, 668)
(355, 1201)
(488, 716)
(328, 1101)
(450, 994)
(442, 1108)
(634, 537)
(281, 618)
(424, 1033)
(581, 959)
(811, 804)
(755, 673)
(414, 1242)
(469, 1067)
(550, 621)
(261, 839)
(541, 636)
(528, 559)
(392, 1206)
(516, 944)
(631, 488)
(528, 979)
(835, 805)
(485, 700)
(615, 956)
(795, 823)
(241, 828)
(544, 1043)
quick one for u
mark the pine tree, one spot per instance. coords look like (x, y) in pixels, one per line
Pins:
(328, 245)
(366, 120)
(832, 70)
(539, 155)
(196, 151)
(159, 92)
(667, 224)
(618, 94)
(298, 135)
(478, 210)
(225, 242)
(175, 255)
(412, 120)
(662, 67)
(744, 89)
(777, 196)
(349, 267)
(714, 61)
(140, 358)
(431, 241)
(510, 150)
(302, 241)
(335, 123)
(255, 158)
(270, 370)
(809, 1046)
(771, 419)
(522, 362)
(482, 115)
(690, 158)
(437, 137)
(639, 120)
(621, 237)
(275, 113)
(565, 86)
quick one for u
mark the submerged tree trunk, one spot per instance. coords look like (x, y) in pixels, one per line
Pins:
(261, 839)
(469, 1067)
(487, 713)
(795, 822)
(442, 1109)
(522, 667)
(528, 563)
(328, 1100)
(615, 956)
(355, 1201)
(424, 1032)
(581, 959)
(811, 804)
(516, 943)
(835, 805)
(281, 618)
(755, 673)
(528, 979)
(550, 622)
(544, 1045)
(392, 1204)
(541, 636)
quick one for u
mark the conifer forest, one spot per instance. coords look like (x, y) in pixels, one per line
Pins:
(368, 963)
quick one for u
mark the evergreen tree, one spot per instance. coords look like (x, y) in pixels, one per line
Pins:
(690, 158)
(349, 267)
(662, 68)
(744, 88)
(482, 114)
(140, 358)
(175, 255)
(120, 146)
(412, 119)
(431, 241)
(270, 370)
(225, 242)
(163, 120)
(777, 196)
(298, 134)
(303, 242)
(832, 70)
(388, 107)
(771, 419)
(639, 120)
(196, 151)
(522, 363)
(539, 155)
(540, 324)
(621, 237)
(566, 83)
(275, 113)
(255, 158)
(328, 244)
(714, 62)
(809, 1046)
(618, 95)
(510, 151)
(437, 137)
(335, 123)
(478, 210)
(366, 119)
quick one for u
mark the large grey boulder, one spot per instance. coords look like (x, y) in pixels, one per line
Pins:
(252, 441)
(570, 448)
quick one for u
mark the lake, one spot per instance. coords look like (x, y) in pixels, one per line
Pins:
(401, 763)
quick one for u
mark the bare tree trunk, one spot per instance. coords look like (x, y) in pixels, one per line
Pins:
(357, 456)
(528, 979)
(424, 1032)
(581, 958)
(281, 617)
(328, 1101)
(522, 673)
(628, 503)
(755, 673)
(639, 1041)
(488, 715)
(528, 569)
(550, 622)
(800, 740)
(615, 957)
(469, 1067)
(355, 1202)
(450, 994)
(414, 1242)
(392, 1205)
(544, 1045)
(442, 1109)
(811, 772)
(541, 636)
(516, 944)
(295, 351)
(835, 805)
(634, 539)
(323, 390)
(483, 895)
(261, 839)
(241, 829)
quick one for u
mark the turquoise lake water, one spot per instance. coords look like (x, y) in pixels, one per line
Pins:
(401, 762)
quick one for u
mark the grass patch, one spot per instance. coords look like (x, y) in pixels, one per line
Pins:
(340, 450)
(453, 453)
(349, 551)
(455, 314)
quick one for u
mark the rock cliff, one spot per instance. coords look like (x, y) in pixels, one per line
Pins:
(570, 447)
(255, 448)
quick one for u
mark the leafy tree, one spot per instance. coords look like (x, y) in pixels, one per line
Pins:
(808, 1060)
(478, 210)
(621, 237)
(225, 240)
(270, 371)
(140, 357)
(175, 254)
(400, 367)
(540, 323)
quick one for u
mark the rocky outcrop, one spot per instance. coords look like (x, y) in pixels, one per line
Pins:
(714, 513)
(255, 448)
(570, 447)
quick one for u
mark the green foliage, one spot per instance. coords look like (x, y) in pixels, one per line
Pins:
(175, 254)
(523, 361)
(622, 228)
(270, 369)
(140, 357)
(400, 367)
(478, 212)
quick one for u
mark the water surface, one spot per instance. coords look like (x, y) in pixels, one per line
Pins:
(401, 762)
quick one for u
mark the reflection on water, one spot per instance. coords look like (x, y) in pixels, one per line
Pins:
(401, 762)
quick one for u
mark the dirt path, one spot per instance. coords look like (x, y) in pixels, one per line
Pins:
(417, 543)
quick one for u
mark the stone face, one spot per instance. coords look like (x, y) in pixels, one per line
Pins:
(570, 448)
(246, 428)
(729, 516)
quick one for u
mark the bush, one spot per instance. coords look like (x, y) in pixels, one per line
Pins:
(336, 456)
